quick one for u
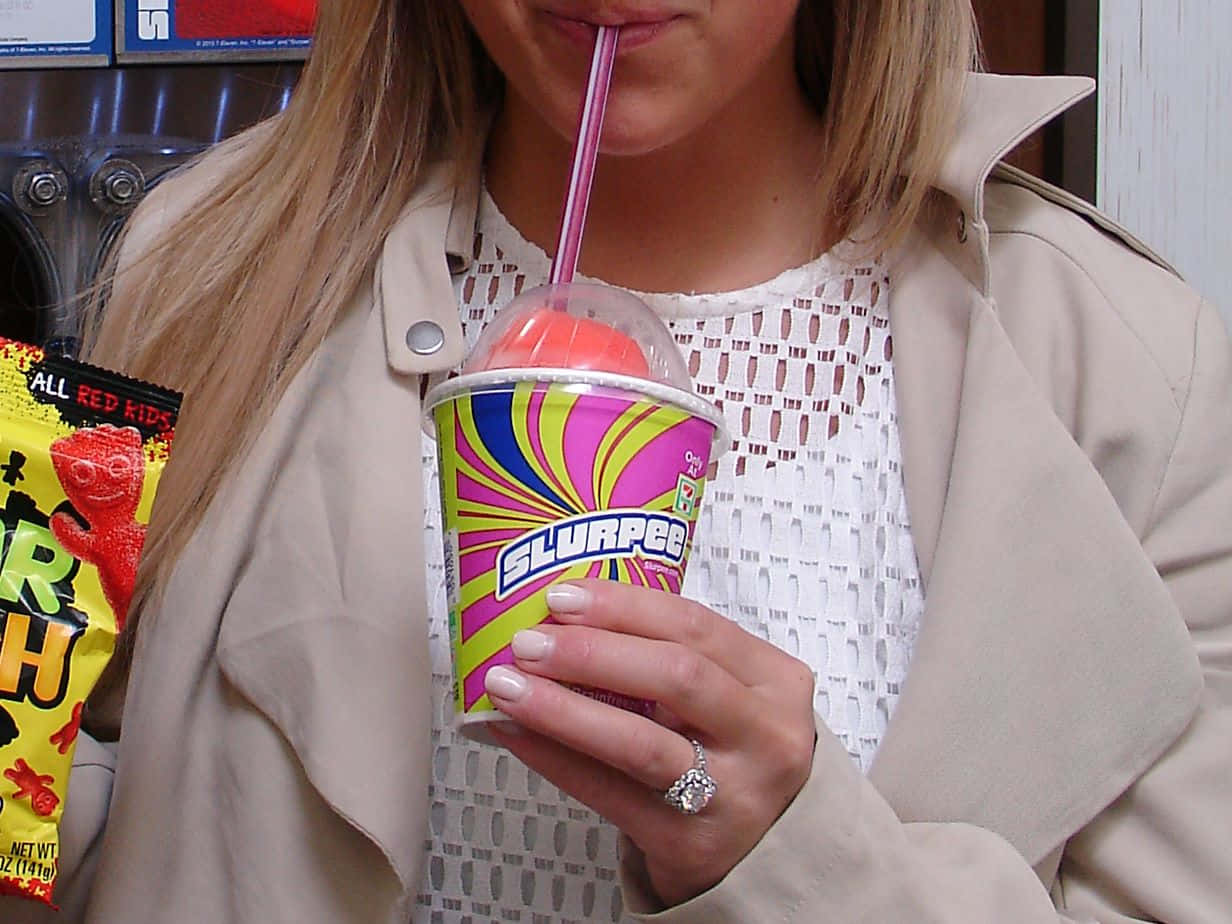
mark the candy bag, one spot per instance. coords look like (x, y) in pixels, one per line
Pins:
(81, 452)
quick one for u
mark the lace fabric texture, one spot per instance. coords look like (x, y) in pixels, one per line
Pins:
(803, 539)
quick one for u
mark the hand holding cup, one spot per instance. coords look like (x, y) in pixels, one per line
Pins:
(748, 703)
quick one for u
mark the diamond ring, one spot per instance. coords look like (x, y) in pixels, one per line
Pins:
(694, 788)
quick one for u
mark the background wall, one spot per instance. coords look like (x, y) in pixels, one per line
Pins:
(1165, 133)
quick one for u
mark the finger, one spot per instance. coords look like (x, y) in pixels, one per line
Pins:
(668, 719)
(622, 740)
(659, 615)
(692, 686)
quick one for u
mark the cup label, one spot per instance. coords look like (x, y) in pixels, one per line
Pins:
(590, 537)
(546, 482)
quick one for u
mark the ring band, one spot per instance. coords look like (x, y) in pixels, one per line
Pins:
(694, 788)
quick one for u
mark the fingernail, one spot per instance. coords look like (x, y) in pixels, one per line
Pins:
(568, 598)
(532, 645)
(505, 683)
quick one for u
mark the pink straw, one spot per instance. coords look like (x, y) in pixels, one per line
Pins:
(585, 153)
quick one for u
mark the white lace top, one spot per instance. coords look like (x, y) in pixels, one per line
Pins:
(803, 539)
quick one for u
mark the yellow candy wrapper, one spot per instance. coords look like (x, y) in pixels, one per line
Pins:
(81, 452)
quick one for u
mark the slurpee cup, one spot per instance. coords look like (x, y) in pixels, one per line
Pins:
(570, 446)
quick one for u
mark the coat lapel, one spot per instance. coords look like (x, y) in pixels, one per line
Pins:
(1052, 667)
(320, 630)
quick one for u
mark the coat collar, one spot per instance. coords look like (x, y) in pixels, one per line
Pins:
(997, 114)
(411, 261)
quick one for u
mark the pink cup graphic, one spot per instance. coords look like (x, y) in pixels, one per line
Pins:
(549, 473)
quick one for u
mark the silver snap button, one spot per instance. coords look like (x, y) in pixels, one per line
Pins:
(425, 338)
(962, 227)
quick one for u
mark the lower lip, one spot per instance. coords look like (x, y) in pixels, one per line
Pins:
(632, 35)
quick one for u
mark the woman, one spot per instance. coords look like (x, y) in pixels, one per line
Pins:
(989, 550)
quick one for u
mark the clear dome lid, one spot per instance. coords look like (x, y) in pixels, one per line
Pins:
(583, 327)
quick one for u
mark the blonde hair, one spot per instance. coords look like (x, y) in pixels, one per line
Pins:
(277, 249)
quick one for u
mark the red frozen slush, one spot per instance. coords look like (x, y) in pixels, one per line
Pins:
(552, 339)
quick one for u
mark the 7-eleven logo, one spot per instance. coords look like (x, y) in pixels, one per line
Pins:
(688, 493)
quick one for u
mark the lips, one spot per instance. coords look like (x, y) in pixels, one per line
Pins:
(629, 17)
(637, 27)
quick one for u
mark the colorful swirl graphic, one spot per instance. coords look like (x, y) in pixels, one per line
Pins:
(518, 459)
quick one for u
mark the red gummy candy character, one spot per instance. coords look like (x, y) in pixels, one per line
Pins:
(35, 786)
(64, 738)
(102, 470)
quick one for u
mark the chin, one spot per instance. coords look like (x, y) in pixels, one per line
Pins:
(633, 130)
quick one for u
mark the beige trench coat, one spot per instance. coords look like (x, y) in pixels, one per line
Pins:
(1062, 750)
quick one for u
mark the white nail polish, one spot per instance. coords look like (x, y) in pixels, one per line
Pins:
(531, 645)
(568, 598)
(505, 683)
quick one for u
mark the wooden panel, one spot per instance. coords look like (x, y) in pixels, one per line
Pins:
(1015, 35)
(1165, 136)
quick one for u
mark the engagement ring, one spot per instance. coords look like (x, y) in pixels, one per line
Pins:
(695, 788)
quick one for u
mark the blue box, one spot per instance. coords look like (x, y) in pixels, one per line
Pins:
(55, 33)
(150, 31)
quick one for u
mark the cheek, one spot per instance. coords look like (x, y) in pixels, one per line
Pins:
(742, 53)
(749, 37)
(548, 77)
(494, 23)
